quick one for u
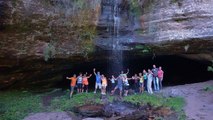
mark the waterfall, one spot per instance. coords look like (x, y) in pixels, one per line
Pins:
(117, 53)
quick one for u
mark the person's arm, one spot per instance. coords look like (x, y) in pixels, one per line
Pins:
(94, 71)
(89, 76)
(127, 71)
(67, 78)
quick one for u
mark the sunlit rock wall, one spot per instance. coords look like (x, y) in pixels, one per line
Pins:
(179, 19)
(47, 28)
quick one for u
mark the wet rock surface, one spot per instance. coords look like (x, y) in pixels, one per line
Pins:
(51, 116)
(125, 111)
(90, 110)
(118, 109)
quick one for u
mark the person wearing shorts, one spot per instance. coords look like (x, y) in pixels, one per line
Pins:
(141, 82)
(126, 85)
(112, 82)
(135, 78)
(79, 82)
(85, 82)
(145, 79)
(104, 85)
(98, 80)
(72, 84)
(118, 86)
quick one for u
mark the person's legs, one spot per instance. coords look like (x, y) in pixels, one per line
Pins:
(113, 86)
(79, 88)
(157, 83)
(71, 91)
(120, 88)
(113, 91)
(96, 86)
(160, 82)
(104, 89)
(142, 88)
(149, 87)
(87, 88)
(125, 90)
(135, 87)
(99, 86)
(145, 85)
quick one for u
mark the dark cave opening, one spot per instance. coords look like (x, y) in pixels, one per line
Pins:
(177, 70)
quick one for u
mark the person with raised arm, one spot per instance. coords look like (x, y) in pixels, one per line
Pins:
(124, 74)
(118, 86)
(135, 78)
(85, 82)
(98, 80)
(113, 79)
(126, 85)
(72, 84)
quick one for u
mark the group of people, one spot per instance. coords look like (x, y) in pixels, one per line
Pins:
(142, 82)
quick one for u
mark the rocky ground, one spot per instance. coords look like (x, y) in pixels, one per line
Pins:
(199, 102)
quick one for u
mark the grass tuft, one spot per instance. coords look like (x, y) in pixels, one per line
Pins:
(16, 105)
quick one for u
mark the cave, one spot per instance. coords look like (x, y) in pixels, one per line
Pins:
(178, 70)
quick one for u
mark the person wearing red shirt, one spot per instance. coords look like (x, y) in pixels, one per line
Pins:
(160, 76)
(85, 82)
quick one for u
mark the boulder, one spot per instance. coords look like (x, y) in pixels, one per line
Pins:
(90, 110)
(51, 116)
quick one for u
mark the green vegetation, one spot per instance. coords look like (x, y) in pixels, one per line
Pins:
(210, 68)
(63, 103)
(16, 105)
(209, 88)
(49, 52)
(176, 103)
(143, 48)
(174, 1)
(135, 7)
(180, 19)
(179, 2)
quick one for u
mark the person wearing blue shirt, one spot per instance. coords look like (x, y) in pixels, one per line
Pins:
(98, 80)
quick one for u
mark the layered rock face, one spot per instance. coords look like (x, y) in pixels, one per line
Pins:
(64, 28)
(36, 28)
(181, 26)
(161, 27)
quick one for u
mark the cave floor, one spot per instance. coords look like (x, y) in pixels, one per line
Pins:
(198, 97)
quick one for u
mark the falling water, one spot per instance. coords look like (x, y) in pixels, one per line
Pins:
(117, 54)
